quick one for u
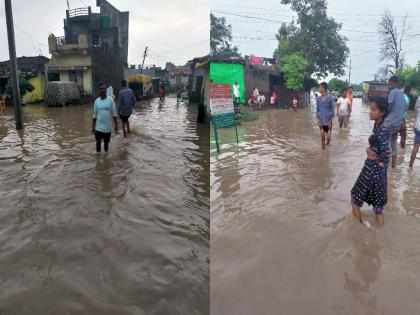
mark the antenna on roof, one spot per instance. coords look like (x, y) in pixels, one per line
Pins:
(68, 5)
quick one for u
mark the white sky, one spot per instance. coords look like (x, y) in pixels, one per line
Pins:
(359, 18)
(174, 30)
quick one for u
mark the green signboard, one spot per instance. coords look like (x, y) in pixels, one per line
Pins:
(224, 120)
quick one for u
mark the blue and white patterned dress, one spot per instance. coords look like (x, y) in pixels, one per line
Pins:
(371, 185)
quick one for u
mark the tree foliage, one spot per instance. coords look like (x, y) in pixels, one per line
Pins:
(410, 76)
(337, 85)
(296, 70)
(390, 39)
(315, 37)
(24, 86)
(221, 38)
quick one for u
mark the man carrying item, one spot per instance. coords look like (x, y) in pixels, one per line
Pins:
(126, 101)
(325, 113)
(103, 114)
(393, 120)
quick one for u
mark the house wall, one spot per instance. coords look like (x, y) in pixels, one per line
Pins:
(87, 81)
(38, 93)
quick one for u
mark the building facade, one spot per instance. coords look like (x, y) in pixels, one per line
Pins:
(94, 48)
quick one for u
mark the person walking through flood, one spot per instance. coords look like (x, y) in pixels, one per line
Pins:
(1, 106)
(295, 104)
(103, 114)
(236, 94)
(325, 113)
(416, 134)
(350, 95)
(403, 130)
(395, 116)
(109, 90)
(343, 110)
(126, 101)
(371, 185)
(162, 94)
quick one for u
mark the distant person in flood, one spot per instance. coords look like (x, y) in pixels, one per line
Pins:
(350, 95)
(295, 104)
(261, 100)
(126, 101)
(393, 120)
(274, 98)
(416, 134)
(109, 90)
(343, 110)
(1, 106)
(236, 93)
(150, 93)
(325, 113)
(103, 113)
(162, 93)
(403, 130)
(371, 185)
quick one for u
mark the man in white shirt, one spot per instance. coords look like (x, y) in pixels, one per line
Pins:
(236, 93)
(261, 100)
(109, 90)
(343, 110)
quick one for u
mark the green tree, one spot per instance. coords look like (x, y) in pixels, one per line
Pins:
(337, 85)
(221, 38)
(314, 36)
(410, 76)
(24, 86)
(296, 70)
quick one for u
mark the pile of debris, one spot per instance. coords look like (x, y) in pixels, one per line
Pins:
(61, 93)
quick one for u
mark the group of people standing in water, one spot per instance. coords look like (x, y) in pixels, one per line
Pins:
(389, 115)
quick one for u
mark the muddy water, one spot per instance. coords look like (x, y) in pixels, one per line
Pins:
(282, 237)
(119, 233)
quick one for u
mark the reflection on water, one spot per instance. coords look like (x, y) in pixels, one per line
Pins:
(123, 232)
(282, 237)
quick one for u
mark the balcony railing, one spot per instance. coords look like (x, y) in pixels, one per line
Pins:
(64, 40)
(79, 12)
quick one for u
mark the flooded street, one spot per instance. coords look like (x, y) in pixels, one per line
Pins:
(282, 237)
(125, 232)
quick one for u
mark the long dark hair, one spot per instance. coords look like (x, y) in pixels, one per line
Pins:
(383, 106)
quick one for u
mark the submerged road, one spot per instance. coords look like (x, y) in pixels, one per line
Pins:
(125, 232)
(282, 237)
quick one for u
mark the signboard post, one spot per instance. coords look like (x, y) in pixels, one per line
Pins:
(222, 109)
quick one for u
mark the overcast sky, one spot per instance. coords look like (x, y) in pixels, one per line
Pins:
(359, 18)
(174, 30)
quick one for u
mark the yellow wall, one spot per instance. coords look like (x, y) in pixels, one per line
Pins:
(38, 93)
(70, 60)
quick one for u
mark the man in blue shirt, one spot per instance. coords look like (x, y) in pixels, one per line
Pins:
(394, 119)
(103, 114)
(325, 113)
(126, 101)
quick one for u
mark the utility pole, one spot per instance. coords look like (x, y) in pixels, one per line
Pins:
(13, 63)
(349, 73)
(144, 57)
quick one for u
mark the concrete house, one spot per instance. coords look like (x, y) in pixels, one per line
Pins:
(30, 68)
(94, 48)
(179, 75)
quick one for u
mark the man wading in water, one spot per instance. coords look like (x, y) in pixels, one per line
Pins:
(103, 114)
(126, 101)
(394, 119)
(325, 113)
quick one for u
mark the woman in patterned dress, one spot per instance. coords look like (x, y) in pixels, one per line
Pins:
(371, 185)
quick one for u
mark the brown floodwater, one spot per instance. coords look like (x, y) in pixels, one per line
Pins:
(125, 232)
(282, 237)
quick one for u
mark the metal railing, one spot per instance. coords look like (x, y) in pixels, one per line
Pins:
(64, 40)
(79, 12)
